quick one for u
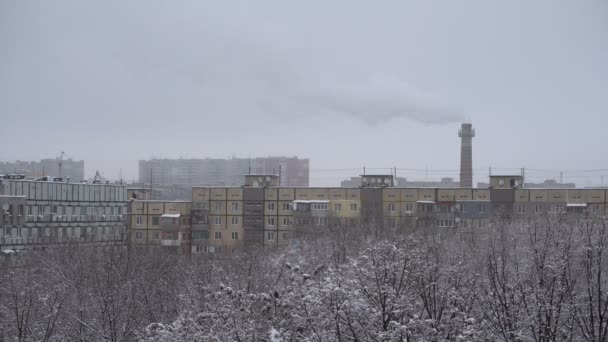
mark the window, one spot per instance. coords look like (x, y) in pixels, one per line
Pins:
(285, 236)
(218, 205)
(156, 235)
(54, 209)
(200, 235)
(409, 207)
(270, 221)
(521, 208)
(270, 206)
(445, 223)
(286, 221)
(218, 220)
(482, 208)
(138, 235)
(155, 220)
(218, 235)
(235, 220)
(391, 207)
(270, 236)
(235, 235)
(539, 208)
(286, 206)
(338, 207)
(137, 220)
(319, 206)
(235, 206)
(321, 221)
(353, 207)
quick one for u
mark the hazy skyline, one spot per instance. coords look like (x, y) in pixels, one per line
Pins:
(344, 83)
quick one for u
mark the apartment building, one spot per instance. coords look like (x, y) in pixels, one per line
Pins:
(70, 168)
(262, 213)
(161, 223)
(293, 171)
(49, 212)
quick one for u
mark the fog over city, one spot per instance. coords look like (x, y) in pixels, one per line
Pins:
(281, 171)
(344, 83)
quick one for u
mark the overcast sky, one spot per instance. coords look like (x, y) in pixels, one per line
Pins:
(344, 83)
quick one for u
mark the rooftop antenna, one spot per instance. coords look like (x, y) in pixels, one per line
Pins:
(97, 178)
(60, 162)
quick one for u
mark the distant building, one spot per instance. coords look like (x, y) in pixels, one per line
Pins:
(73, 169)
(446, 182)
(293, 171)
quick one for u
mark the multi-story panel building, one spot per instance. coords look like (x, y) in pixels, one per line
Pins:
(73, 169)
(162, 223)
(45, 213)
(262, 213)
(293, 171)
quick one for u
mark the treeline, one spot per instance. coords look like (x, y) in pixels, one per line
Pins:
(541, 280)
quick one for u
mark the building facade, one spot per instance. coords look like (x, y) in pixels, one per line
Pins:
(162, 223)
(49, 213)
(258, 214)
(73, 169)
(293, 171)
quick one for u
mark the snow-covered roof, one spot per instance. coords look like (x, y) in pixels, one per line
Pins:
(576, 205)
(171, 215)
(311, 201)
(427, 202)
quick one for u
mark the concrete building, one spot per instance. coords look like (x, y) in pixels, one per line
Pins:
(52, 213)
(161, 223)
(73, 169)
(227, 172)
(261, 213)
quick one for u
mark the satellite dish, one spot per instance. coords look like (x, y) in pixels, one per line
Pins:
(457, 220)
(386, 181)
(268, 178)
(5, 206)
(255, 183)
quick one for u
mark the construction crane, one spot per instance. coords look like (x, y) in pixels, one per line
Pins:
(60, 162)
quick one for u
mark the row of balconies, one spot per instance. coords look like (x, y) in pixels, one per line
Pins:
(73, 218)
(53, 239)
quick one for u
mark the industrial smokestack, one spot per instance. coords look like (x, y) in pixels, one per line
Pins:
(466, 134)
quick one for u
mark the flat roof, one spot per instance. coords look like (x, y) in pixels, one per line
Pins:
(63, 182)
(311, 201)
(160, 201)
